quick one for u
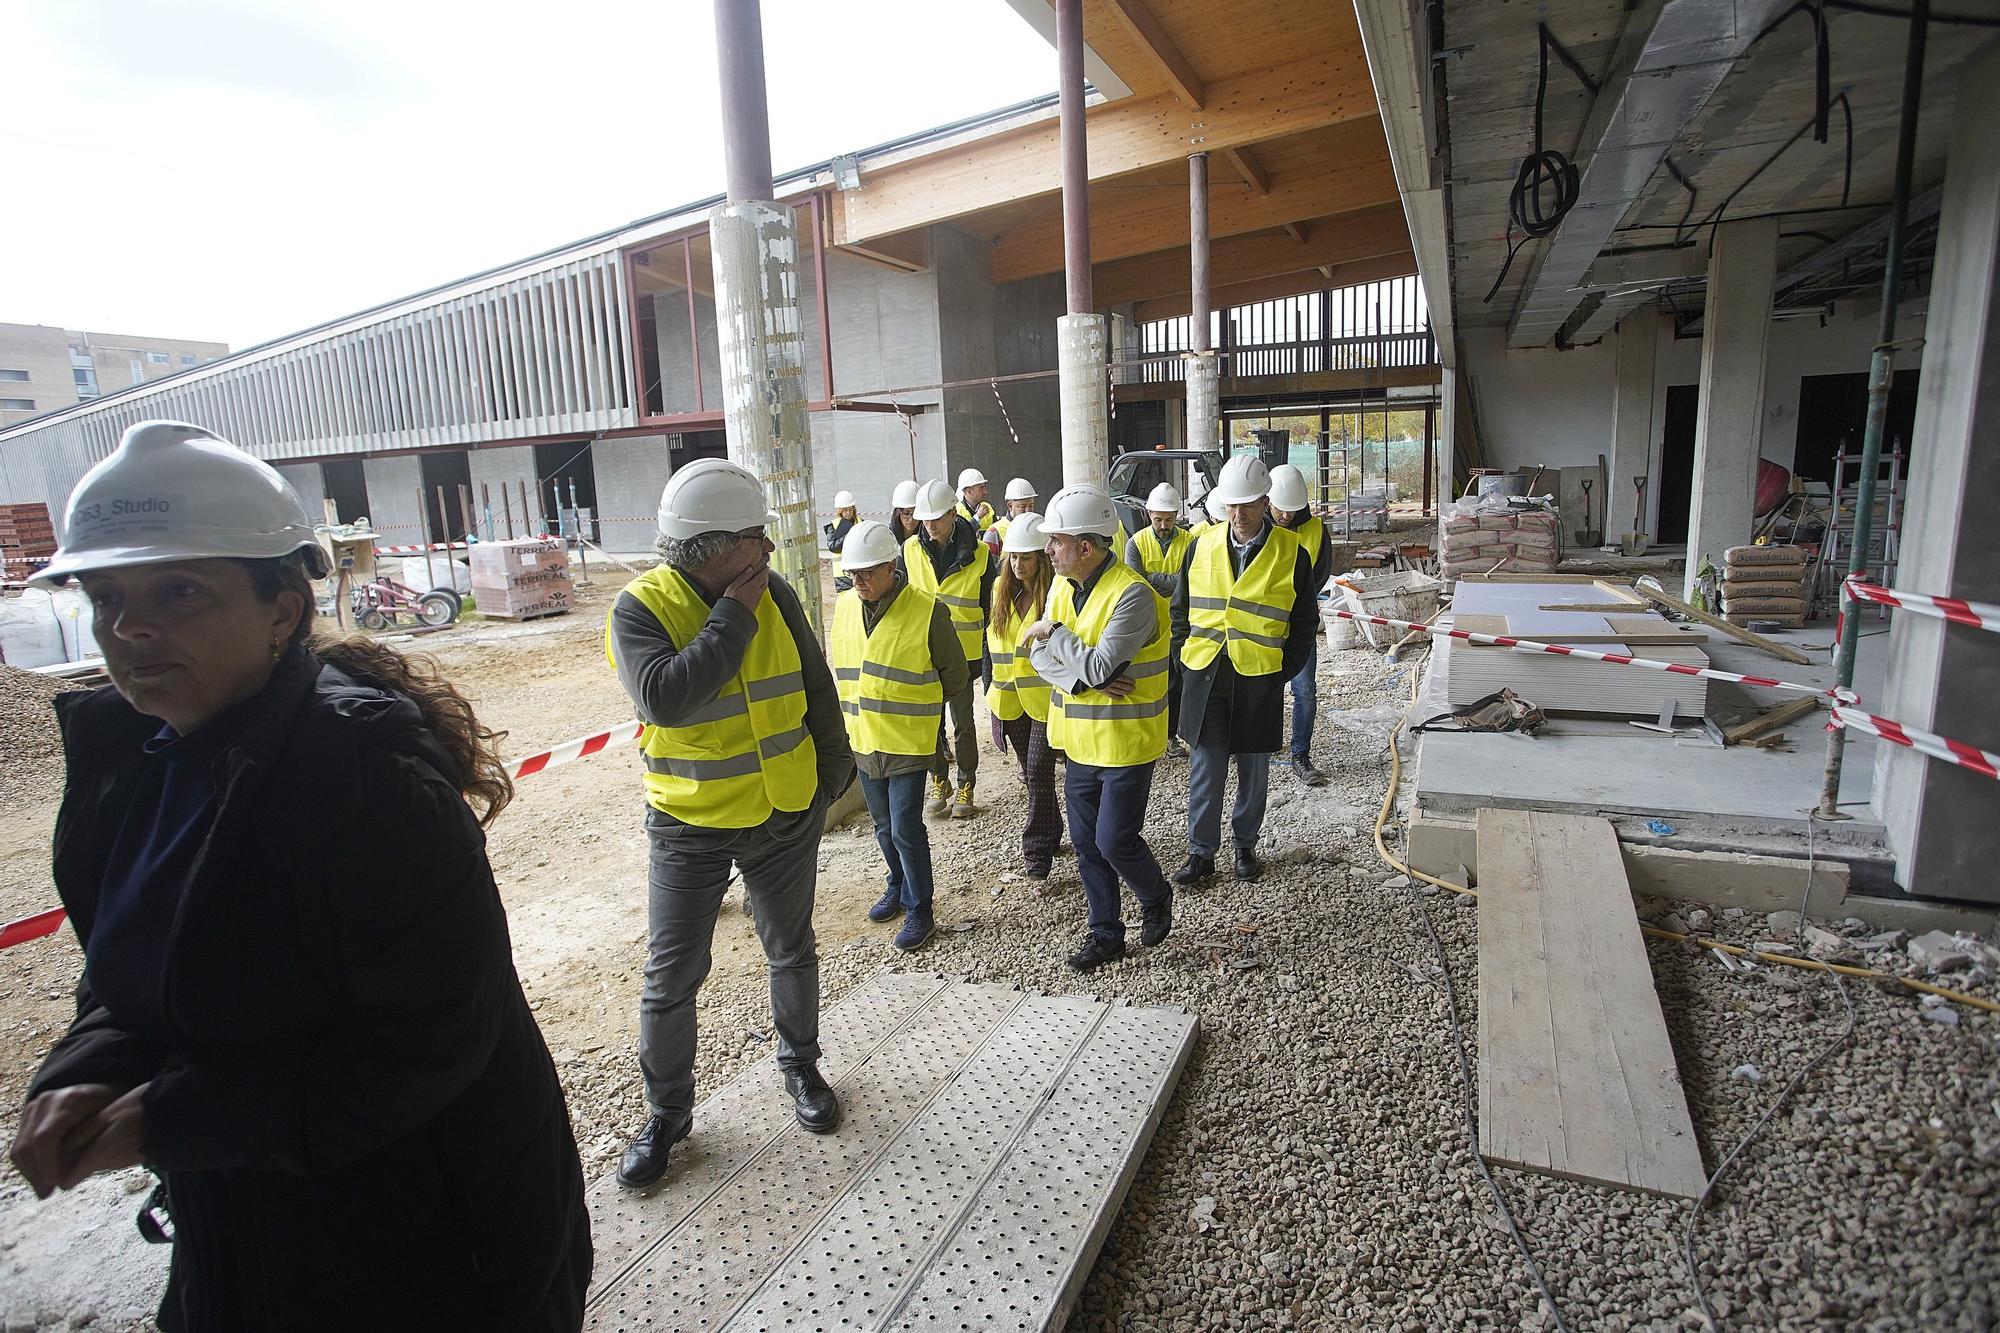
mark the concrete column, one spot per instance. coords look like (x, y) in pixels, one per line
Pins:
(1631, 416)
(756, 254)
(1204, 402)
(1742, 264)
(1940, 677)
(1086, 420)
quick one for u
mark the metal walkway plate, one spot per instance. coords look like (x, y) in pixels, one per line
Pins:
(988, 1138)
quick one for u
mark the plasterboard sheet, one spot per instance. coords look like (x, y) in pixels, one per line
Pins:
(1580, 685)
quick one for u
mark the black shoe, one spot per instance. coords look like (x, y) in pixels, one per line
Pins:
(1157, 921)
(918, 926)
(1303, 770)
(1247, 864)
(1095, 953)
(1036, 872)
(1197, 869)
(888, 907)
(646, 1160)
(816, 1106)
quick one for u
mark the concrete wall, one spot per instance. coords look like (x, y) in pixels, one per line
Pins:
(1555, 407)
(630, 475)
(43, 352)
(497, 470)
(392, 498)
(310, 483)
(885, 335)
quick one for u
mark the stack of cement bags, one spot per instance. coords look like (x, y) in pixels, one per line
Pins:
(1764, 583)
(1519, 541)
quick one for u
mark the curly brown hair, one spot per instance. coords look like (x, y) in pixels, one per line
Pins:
(473, 747)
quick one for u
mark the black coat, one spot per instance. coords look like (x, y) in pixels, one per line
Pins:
(355, 1116)
(1251, 707)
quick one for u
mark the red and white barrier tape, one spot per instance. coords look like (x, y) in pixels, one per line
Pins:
(1927, 742)
(1983, 615)
(420, 549)
(1622, 659)
(42, 924)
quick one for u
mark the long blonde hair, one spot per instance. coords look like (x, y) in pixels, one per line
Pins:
(1015, 601)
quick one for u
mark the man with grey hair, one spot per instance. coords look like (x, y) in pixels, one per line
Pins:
(745, 749)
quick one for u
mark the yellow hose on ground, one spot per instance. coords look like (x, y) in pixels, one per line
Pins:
(1807, 964)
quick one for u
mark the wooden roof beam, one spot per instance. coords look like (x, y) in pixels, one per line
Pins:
(1295, 231)
(1243, 164)
(1159, 48)
(1328, 88)
(1368, 233)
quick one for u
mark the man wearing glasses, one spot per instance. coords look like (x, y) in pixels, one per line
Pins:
(744, 748)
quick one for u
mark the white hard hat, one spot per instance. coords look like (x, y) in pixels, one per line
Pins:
(1020, 489)
(713, 495)
(1164, 500)
(972, 476)
(1244, 478)
(868, 544)
(1079, 510)
(1024, 534)
(175, 491)
(843, 499)
(1216, 506)
(1288, 488)
(935, 500)
(904, 496)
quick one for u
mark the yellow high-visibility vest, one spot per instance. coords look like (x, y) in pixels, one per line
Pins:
(890, 695)
(1096, 728)
(980, 519)
(1251, 613)
(1157, 559)
(959, 592)
(1016, 689)
(745, 753)
(1312, 535)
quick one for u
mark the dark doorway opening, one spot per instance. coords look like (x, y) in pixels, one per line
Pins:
(568, 477)
(347, 486)
(1675, 482)
(1140, 425)
(450, 469)
(1833, 414)
(687, 446)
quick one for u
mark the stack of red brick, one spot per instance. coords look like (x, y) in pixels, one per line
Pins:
(27, 539)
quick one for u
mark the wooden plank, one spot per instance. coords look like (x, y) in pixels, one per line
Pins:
(1534, 578)
(1736, 632)
(1576, 1073)
(1365, 233)
(1400, 265)
(1323, 88)
(1657, 633)
(1246, 166)
(1159, 48)
(1770, 720)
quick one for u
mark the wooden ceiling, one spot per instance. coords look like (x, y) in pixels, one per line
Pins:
(1277, 92)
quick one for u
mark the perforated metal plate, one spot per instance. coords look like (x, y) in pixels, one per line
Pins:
(987, 1143)
(739, 1120)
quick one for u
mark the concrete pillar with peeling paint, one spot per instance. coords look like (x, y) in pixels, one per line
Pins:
(1086, 423)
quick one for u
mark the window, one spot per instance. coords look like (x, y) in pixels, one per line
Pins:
(187, 360)
(158, 358)
(86, 383)
(17, 404)
(15, 376)
(138, 371)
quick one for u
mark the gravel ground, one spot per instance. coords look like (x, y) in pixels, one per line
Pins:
(1312, 1170)
(30, 743)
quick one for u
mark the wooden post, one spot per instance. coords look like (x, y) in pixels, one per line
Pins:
(424, 535)
(465, 510)
(527, 522)
(507, 509)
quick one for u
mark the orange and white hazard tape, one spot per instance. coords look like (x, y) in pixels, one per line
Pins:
(1983, 762)
(46, 923)
(1982, 615)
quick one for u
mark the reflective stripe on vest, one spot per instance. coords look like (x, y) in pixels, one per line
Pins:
(1016, 689)
(1157, 560)
(1096, 728)
(1250, 614)
(747, 752)
(959, 592)
(890, 695)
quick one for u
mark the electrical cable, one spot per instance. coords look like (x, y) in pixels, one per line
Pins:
(1545, 187)
(1715, 218)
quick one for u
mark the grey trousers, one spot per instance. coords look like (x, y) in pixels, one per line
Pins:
(1208, 769)
(688, 871)
(964, 749)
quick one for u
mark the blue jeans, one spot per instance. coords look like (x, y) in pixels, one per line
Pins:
(1107, 816)
(896, 803)
(1305, 703)
(1207, 772)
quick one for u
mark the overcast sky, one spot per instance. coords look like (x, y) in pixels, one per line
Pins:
(236, 170)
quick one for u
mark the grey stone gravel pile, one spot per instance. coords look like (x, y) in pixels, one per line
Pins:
(30, 745)
(1312, 1170)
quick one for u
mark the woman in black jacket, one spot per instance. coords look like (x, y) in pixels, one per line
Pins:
(299, 1005)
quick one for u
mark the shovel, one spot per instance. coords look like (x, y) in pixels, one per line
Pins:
(1635, 541)
(1587, 535)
